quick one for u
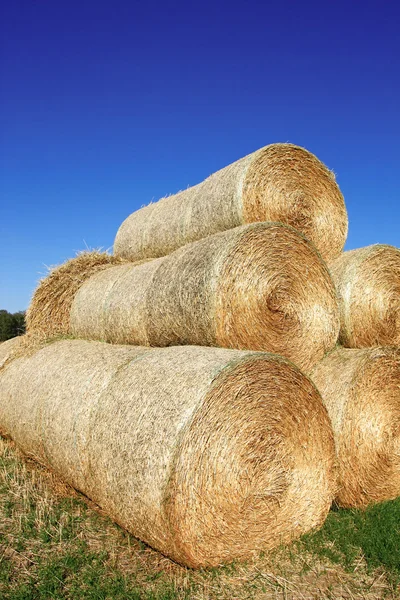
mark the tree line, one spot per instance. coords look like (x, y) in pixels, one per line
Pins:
(11, 324)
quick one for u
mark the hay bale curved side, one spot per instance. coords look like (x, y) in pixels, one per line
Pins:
(368, 284)
(280, 182)
(361, 391)
(49, 309)
(21, 346)
(200, 452)
(261, 286)
(8, 349)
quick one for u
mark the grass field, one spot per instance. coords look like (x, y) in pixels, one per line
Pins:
(54, 544)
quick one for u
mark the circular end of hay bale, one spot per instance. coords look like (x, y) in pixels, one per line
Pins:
(275, 294)
(370, 450)
(368, 284)
(288, 184)
(255, 468)
(361, 389)
(49, 311)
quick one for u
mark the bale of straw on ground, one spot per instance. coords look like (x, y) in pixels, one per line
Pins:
(361, 391)
(281, 182)
(51, 303)
(261, 286)
(206, 454)
(368, 285)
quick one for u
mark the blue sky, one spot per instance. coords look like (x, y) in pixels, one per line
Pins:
(106, 106)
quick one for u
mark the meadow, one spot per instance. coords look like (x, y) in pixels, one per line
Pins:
(56, 544)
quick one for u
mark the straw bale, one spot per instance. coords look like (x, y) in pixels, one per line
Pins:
(361, 391)
(368, 285)
(7, 350)
(280, 182)
(261, 286)
(51, 303)
(206, 454)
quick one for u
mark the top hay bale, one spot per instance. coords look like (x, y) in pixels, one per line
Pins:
(280, 182)
(368, 285)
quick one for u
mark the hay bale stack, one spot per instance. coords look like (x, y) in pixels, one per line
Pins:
(281, 182)
(368, 285)
(361, 390)
(49, 310)
(206, 454)
(260, 287)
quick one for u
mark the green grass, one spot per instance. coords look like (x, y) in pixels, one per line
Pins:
(56, 545)
(82, 575)
(373, 534)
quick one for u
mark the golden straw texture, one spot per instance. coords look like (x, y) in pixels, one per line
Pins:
(7, 350)
(206, 454)
(259, 287)
(361, 391)
(51, 303)
(368, 285)
(280, 182)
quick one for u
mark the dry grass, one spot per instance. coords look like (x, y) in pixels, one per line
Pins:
(361, 390)
(200, 452)
(56, 544)
(281, 183)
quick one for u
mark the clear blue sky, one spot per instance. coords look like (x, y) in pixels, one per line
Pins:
(108, 105)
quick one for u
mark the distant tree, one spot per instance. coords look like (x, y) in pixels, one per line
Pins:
(11, 325)
(7, 325)
(19, 323)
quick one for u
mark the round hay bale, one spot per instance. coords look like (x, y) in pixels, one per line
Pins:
(361, 391)
(8, 349)
(368, 285)
(23, 346)
(206, 454)
(49, 310)
(259, 287)
(281, 182)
